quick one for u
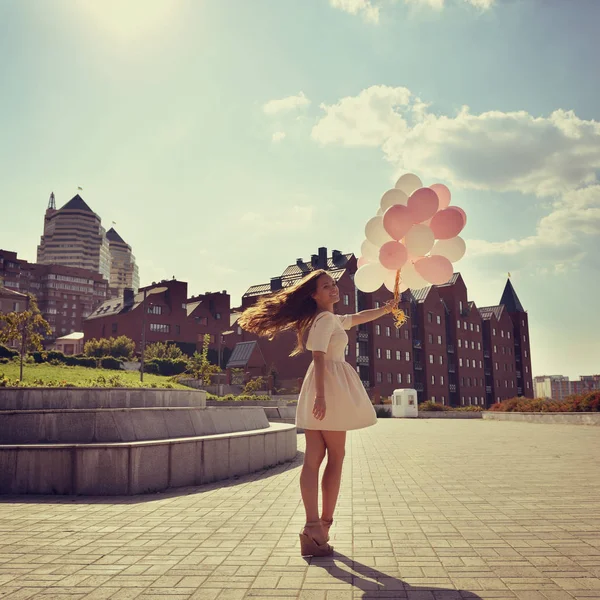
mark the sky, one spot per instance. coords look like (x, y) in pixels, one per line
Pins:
(227, 139)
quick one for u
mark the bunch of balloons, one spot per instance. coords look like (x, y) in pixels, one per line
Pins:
(413, 240)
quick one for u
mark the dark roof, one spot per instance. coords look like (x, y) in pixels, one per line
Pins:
(420, 295)
(241, 354)
(486, 312)
(297, 271)
(452, 281)
(115, 306)
(77, 203)
(113, 236)
(6, 293)
(265, 288)
(510, 299)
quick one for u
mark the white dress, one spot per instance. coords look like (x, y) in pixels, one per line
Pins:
(347, 404)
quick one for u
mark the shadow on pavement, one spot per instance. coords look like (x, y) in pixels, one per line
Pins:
(376, 584)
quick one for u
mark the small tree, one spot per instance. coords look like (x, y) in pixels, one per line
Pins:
(200, 367)
(97, 348)
(121, 347)
(255, 385)
(165, 351)
(29, 323)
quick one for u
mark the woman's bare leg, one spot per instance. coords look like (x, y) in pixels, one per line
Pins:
(335, 443)
(309, 479)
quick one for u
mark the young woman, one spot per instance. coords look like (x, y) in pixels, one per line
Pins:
(332, 399)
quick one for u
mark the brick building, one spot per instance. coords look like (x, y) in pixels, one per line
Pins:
(65, 295)
(171, 316)
(449, 351)
(558, 387)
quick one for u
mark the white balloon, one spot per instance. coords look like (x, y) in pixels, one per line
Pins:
(419, 240)
(408, 183)
(453, 249)
(375, 232)
(370, 251)
(369, 278)
(392, 197)
(411, 278)
(390, 282)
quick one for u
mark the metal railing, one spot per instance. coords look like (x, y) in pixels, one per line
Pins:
(418, 366)
(363, 335)
(450, 349)
(362, 360)
(419, 387)
(417, 344)
(486, 354)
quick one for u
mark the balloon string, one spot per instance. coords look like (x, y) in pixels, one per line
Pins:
(400, 317)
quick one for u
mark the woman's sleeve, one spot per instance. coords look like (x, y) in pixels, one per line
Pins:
(320, 332)
(346, 321)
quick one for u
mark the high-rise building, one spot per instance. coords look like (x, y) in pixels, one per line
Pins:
(123, 268)
(65, 295)
(74, 237)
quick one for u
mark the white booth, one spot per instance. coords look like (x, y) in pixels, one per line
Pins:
(404, 403)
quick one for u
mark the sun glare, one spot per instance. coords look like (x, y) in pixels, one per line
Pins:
(129, 20)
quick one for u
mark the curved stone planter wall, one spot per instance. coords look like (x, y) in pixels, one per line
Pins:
(592, 418)
(141, 467)
(78, 398)
(122, 441)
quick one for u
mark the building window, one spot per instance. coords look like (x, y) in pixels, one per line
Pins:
(408, 378)
(441, 359)
(177, 329)
(347, 351)
(438, 319)
(399, 377)
(480, 365)
(472, 345)
(377, 304)
(388, 332)
(406, 334)
(239, 330)
(503, 350)
(218, 316)
(465, 325)
(441, 380)
(528, 385)
(378, 352)
(397, 332)
(477, 327)
(430, 338)
(389, 378)
(460, 364)
(160, 327)
(482, 382)
(502, 333)
(407, 356)
(496, 366)
(468, 382)
(471, 326)
(378, 329)
(433, 398)
(478, 345)
(379, 378)
(508, 334)
(526, 369)
(462, 400)
(494, 331)
(398, 355)
(346, 300)
(495, 348)
(430, 317)
(443, 400)
(458, 323)
(459, 343)
(525, 353)
(154, 309)
(388, 355)
(462, 381)
(114, 328)
(468, 363)
(431, 359)
(439, 339)
(460, 306)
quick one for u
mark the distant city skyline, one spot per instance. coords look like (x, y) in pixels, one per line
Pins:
(225, 145)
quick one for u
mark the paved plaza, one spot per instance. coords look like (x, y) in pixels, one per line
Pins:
(429, 510)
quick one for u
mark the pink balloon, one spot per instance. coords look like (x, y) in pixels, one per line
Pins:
(397, 220)
(446, 224)
(361, 261)
(434, 269)
(463, 214)
(443, 193)
(393, 255)
(424, 204)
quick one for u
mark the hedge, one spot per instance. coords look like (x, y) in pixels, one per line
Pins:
(588, 402)
(108, 362)
(166, 366)
(7, 352)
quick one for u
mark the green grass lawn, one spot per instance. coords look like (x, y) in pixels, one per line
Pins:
(80, 376)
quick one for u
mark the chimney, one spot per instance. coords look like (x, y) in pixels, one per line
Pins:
(336, 257)
(276, 284)
(322, 258)
(299, 263)
(314, 261)
(128, 296)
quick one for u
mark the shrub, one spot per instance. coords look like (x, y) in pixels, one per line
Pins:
(433, 406)
(255, 385)
(39, 357)
(588, 402)
(161, 350)
(382, 413)
(241, 398)
(167, 367)
(109, 362)
(7, 352)
(151, 367)
(120, 347)
(4, 360)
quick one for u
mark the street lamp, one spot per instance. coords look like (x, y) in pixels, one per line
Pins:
(156, 290)
(221, 336)
(23, 336)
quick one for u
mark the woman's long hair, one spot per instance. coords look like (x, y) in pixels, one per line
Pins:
(291, 309)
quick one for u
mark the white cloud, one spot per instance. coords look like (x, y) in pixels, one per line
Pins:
(288, 104)
(365, 8)
(278, 136)
(555, 156)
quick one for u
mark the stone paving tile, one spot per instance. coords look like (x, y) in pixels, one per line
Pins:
(429, 510)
